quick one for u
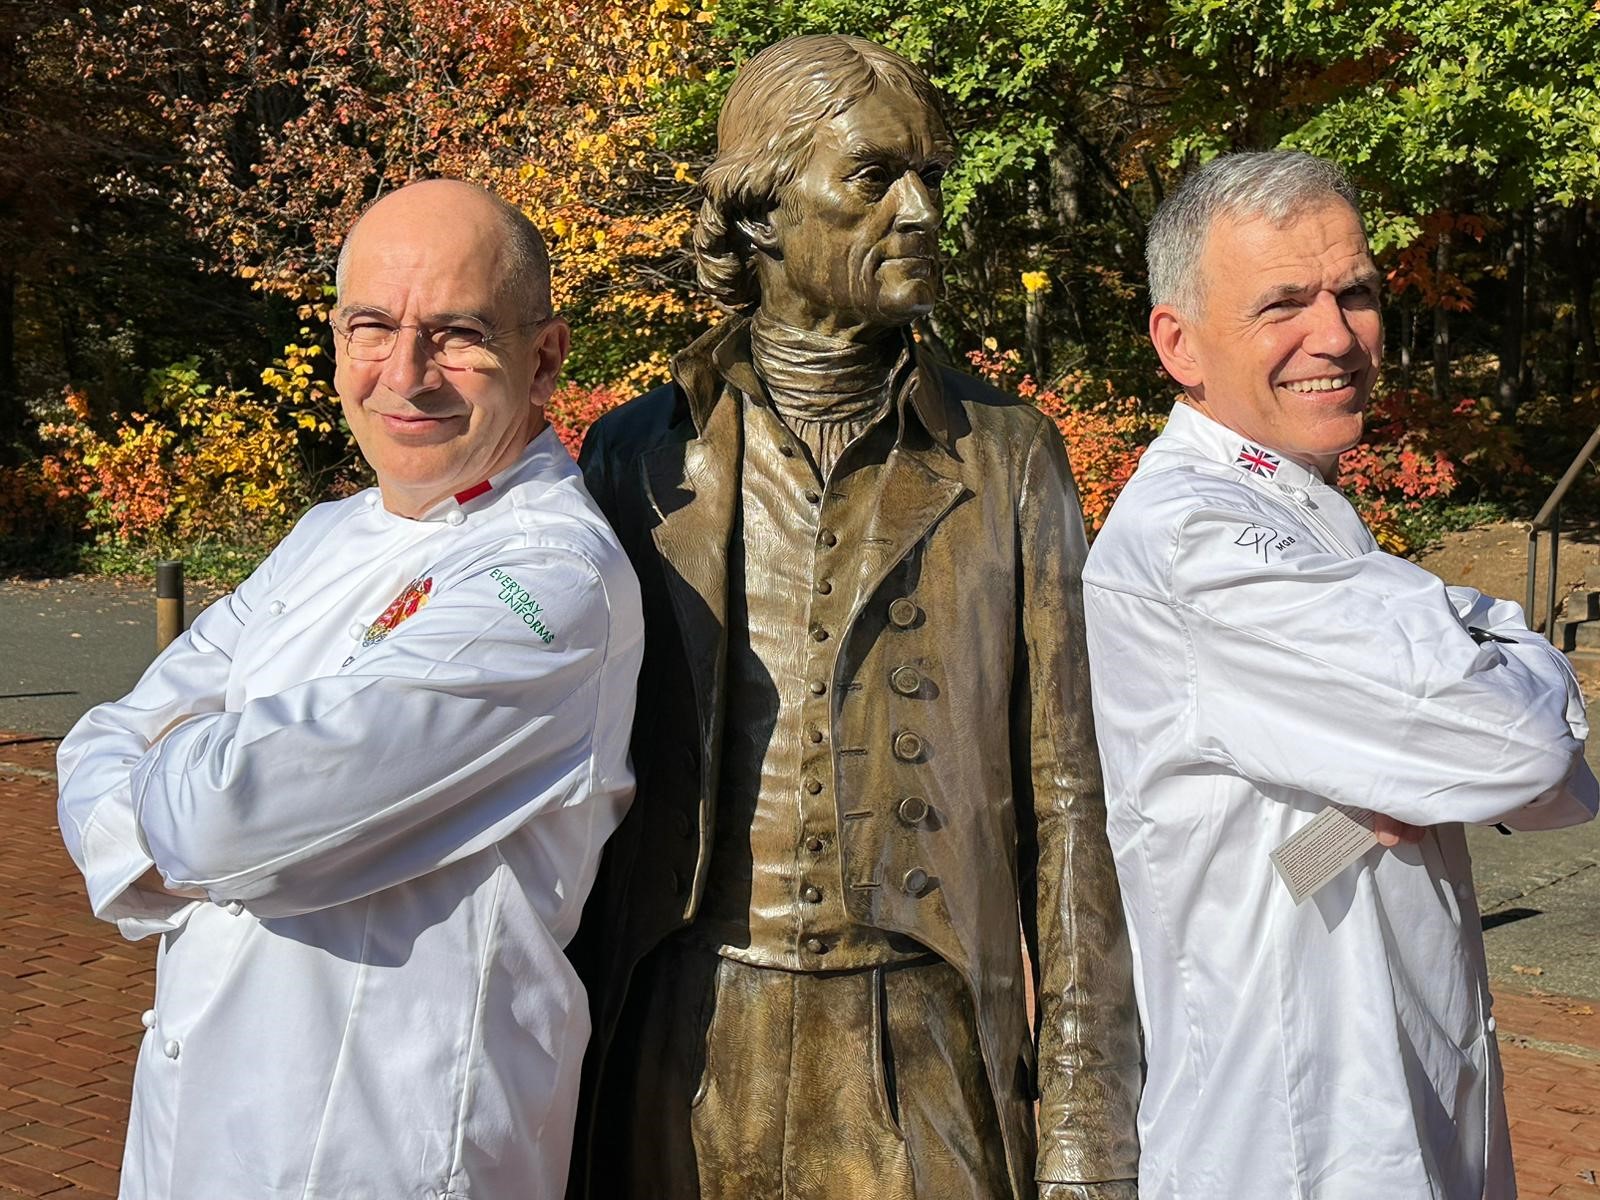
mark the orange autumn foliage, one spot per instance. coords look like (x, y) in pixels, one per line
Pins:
(546, 102)
(1105, 433)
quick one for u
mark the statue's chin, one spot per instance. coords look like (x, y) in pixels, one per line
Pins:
(902, 305)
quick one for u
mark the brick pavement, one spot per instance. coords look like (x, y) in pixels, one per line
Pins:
(71, 992)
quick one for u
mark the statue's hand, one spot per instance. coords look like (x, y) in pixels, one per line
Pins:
(1115, 1189)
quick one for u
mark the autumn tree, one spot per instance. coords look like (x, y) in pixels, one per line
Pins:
(292, 117)
(1468, 125)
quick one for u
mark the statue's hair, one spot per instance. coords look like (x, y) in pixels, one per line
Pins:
(1277, 185)
(764, 138)
(524, 261)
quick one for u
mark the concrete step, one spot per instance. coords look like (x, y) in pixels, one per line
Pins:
(1582, 606)
(1579, 626)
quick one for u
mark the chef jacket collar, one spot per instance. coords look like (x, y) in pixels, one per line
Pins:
(722, 354)
(1216, 441)
(533, 462)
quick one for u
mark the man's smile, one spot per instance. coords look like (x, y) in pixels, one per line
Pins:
(417, 424)
(1323, 383)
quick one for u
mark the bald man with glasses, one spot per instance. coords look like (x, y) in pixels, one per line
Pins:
(362, 801)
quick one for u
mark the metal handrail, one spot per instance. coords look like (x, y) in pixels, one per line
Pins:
(1549, 517)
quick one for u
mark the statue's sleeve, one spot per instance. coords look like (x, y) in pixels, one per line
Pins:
(1086, 1019)
(595, 463)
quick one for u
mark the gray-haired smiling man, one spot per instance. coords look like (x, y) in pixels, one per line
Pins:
(363, 799)
(1261, 669)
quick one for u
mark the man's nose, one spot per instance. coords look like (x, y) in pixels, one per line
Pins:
(410, 368)
(1330, 334)
(917, 210)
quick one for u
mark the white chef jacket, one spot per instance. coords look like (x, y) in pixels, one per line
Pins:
(390, 759)
(1254, 656)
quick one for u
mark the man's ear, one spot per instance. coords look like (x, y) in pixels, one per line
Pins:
(759, 230)
(552, 345)
(1169, 334)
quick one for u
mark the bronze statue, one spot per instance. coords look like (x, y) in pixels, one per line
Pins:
(864, 746)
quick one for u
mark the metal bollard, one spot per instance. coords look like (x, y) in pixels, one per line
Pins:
(169, 603)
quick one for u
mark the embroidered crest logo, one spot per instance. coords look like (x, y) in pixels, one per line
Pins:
(1257, 461)
(412, 597)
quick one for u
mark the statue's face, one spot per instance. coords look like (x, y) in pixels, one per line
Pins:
(854, 238)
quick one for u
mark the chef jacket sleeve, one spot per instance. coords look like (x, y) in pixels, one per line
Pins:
(1357, 679)
(471, 718)
(1088, 1029)
(1577, 797)
(96, 759)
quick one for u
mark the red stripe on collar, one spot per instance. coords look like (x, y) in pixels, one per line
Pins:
(473, 492)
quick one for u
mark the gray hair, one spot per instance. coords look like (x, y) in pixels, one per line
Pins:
(524, 260)
(1277, 185)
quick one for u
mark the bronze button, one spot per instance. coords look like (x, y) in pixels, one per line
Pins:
(913, 810)
(915, 882)
(813, 895)
(815, 844)
(829, 538)
(811, 496)
(903, 613)
(905, 680)
(816, 945)
(824, 586)
(818, 633)
(813, 785)
(817, 687)
(907, 746)
(813, 735)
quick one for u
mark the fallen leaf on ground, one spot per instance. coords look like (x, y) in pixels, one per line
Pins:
(1522, 970)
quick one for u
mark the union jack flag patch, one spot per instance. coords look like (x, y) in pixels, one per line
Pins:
(1257, 461)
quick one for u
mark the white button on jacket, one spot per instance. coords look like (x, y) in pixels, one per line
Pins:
(397, 834)
(1255, 656)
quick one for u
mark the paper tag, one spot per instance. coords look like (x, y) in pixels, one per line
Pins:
(1334, 838)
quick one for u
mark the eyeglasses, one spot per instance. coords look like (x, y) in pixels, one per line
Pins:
(460, 345)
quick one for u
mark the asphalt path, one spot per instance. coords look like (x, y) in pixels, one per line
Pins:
(68, 644)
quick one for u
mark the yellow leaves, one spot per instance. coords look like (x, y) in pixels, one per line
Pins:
(1035, 281)
(682, 174)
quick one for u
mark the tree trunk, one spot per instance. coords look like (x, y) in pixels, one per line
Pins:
(1441, 325)
(1571, 239)
(1580, 275)
(12, 418)
(1066, 206)
(1408, 338)
(1529, 384)
(1508, 397)
(1034, 335)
